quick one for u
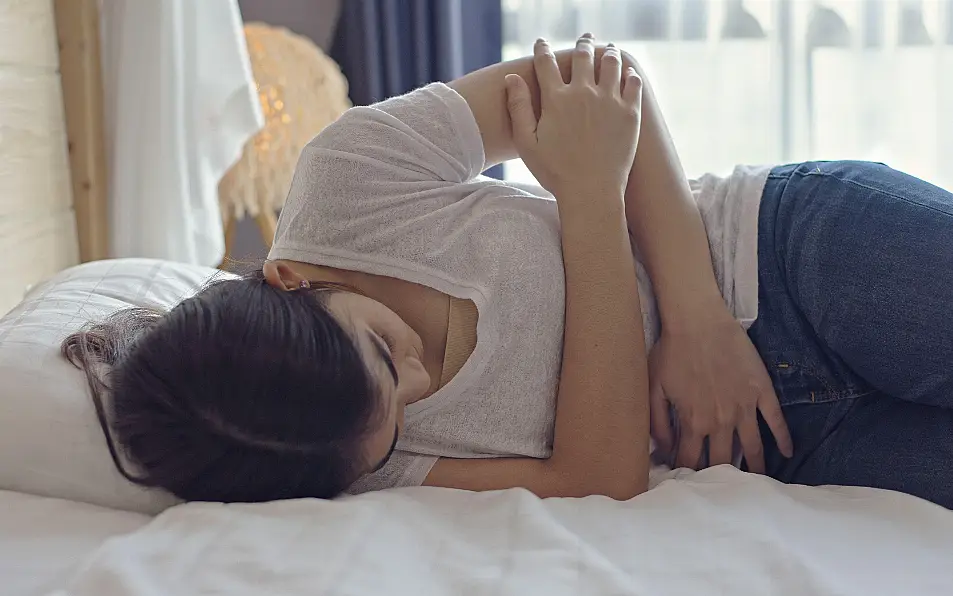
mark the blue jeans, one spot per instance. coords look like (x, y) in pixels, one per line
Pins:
(855, 326)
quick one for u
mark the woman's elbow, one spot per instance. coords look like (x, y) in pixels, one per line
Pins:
(626, 490)
(617, 486)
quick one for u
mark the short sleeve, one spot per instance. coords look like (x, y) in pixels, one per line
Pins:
(402, 470)
(378, 166)
(427, 135)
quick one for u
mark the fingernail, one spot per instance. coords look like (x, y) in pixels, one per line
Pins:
(786, 450)
(304, 284)
(540, 40)
(587, 35)
(610, 45)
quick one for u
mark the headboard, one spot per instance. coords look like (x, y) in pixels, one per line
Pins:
(77, 31)
(50, 128)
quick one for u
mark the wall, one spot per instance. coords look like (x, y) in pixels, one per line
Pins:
(37, 227)
(315, 19)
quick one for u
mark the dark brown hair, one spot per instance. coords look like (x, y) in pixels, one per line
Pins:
(241, 393)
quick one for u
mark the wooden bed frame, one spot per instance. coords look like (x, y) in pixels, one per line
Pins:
(77, 31)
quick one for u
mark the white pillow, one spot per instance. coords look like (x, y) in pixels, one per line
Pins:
(51, 443)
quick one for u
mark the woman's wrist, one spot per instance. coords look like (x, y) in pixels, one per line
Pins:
(693, 311)
(590, 196)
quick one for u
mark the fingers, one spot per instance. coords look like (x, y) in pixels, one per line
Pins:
(583, 61)
(632, 87)
(610, 71)
(660, 421)
(689, 449)
(720, 447)
(547, 70)
(750, 438)
(520, 106)
(774, 417)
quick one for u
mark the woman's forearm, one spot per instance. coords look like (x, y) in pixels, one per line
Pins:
(664, 220)
(602, 412)
(581, 149)
(485, 92)
(660, 209)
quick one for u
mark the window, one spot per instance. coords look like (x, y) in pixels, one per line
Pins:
(774, 81)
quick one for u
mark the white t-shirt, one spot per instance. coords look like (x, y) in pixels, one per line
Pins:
(395, 189)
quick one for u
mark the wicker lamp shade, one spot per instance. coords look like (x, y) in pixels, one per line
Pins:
(301, 91)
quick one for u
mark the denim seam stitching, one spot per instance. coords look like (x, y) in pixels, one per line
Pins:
(828, 397)
(840, 395)
(828, 390)
(871, 189)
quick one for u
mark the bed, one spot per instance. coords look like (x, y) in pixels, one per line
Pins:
(70, 525)
(42, 540)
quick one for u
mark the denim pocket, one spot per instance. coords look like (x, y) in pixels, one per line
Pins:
(799, 381)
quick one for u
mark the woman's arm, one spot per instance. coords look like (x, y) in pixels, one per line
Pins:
(666, 224)
(581, 149)
(659, 206)
(703, 363)
(660, 210)
(485, 91)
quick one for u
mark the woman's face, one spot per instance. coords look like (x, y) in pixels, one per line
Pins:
(393, 353)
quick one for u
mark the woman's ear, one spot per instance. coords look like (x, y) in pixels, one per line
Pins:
(282, 276)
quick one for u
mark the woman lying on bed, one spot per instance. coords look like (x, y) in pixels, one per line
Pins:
(418, 324)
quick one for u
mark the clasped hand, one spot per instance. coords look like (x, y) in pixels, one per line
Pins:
(584, 141)
(716, 382)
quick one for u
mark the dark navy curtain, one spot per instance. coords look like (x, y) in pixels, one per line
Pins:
(389, 47)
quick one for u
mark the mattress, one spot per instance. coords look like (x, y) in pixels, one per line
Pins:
(719, 531)
(42, 540)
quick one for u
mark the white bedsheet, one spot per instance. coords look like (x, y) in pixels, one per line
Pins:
(715, 532)
(42, 539)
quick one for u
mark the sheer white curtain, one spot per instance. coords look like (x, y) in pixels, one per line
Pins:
(773, 81)
(180, 103)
